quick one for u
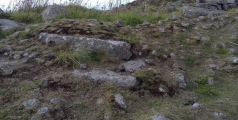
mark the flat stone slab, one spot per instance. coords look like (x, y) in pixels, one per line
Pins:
(102, 76)
(118, 49)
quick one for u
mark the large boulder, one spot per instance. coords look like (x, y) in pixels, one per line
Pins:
(118, 49)
(194, 12)
(51, 12)
(106, 76)
(6, 24)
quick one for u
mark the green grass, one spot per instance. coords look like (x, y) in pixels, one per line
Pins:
(191, 60)
(72, 58)
(131, 38)
(206, 90)
(26, 17)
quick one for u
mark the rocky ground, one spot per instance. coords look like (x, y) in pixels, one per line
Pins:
(181, 68)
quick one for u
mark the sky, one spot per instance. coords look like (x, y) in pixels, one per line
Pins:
(88, 3)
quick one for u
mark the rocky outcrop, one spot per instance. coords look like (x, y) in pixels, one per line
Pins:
(6, 24)
(51, 12)
(194, 12)
(113, 48)
(102, 76)
(217, 4)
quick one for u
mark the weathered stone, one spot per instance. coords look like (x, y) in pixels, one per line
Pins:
(184, 24)
(6, 70)
(29, 104)
(160, 117)
(119, 23)
(211, 81)
(219, 115)
(182, 82)
(196, 106)
(101, 76)
(6, 24)
(51, 12)
(119, 99)
(56, 101)
(113, 48)
(233, 51)
(132, 66)
(194, 12)
(43, 111)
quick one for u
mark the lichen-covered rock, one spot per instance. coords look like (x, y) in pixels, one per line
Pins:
(160, 117)
(29, 104)
(6, 24)
(119, 99)
(194, 12)
(51, 12)
(6, 70)
(118, 49)
(101, 76)
(132, 66)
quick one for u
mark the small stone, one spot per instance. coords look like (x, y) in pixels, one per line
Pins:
(119, 23)
(17, 57)
(182, 82)
(26, 54)
(198, 38)
(206, 38)
(235, 37)
(56, 101)
(43, 111)
(83, 66)
(39, 60)
(29, 104)
(119, 99)
(6, 70)
(196, 106)
(184, 24)
(233, 51)
(160, 117)
(145, 47)
(213, 66)
(219, 115)
(100, 101)
(211, 81)
(43, 83)
(172, 55)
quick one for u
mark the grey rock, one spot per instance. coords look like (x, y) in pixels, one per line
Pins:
(6, 24)
(132, 66)
(205, 38)
(43, 111)
(113, 48)
(51, 12)
(160, 117)
(219, 115)
(6, 69)
(100, 101)
(43, 83)
(211, 81)
(146, 23)
(233, 51)
(196, 106)
(17, 57)
(235, 60)
(101, 76)
(182, 82)
(184, 24)
(29, 104)
(194, 12)
(83, 66)
(119, 99)
(56, 101)
(119, 23)
(235, 37)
